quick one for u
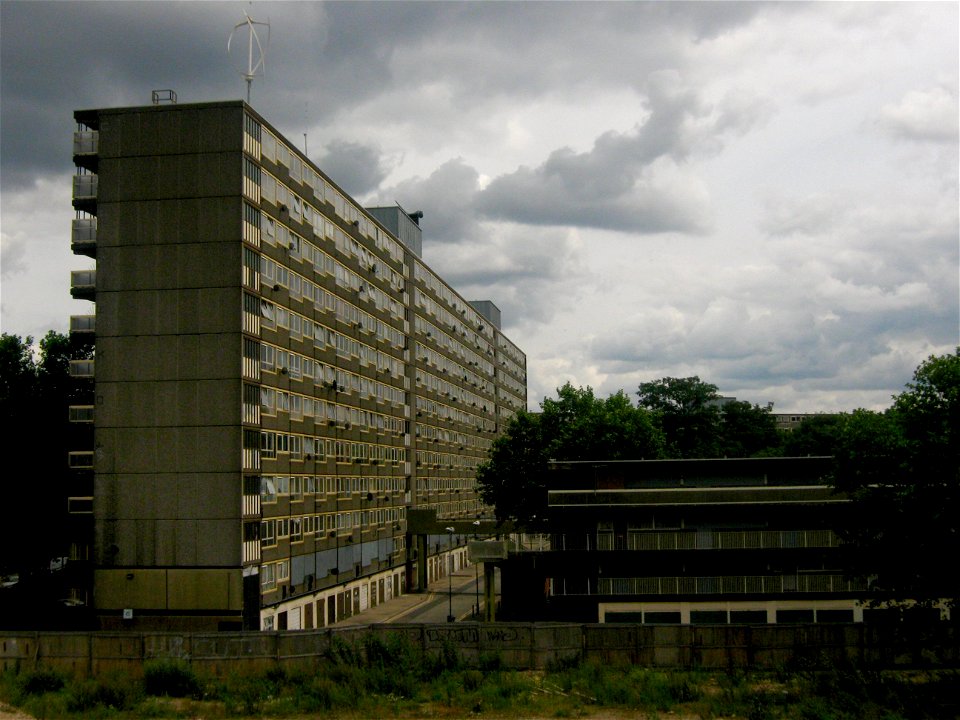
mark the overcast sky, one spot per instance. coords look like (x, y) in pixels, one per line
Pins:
(764, 195)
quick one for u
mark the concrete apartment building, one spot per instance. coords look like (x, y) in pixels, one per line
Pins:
(278, 377)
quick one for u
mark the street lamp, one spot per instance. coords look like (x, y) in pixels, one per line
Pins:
(450, 617)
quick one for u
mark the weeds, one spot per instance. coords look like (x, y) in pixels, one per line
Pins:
(389, 676)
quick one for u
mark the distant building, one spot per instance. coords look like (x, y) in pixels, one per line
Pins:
(279, 376)
(689, 541)
(791, 421)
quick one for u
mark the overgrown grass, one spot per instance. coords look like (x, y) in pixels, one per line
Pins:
(387, 676)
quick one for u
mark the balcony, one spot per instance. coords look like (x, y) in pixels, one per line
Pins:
(80, 459)
(85, 193)
(83, 284)
(80, 505)
(83, 236)
(86, 145)
(81, 368)
(81, 413)
(83, 325)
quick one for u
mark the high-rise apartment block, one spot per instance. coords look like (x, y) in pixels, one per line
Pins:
(278, 377)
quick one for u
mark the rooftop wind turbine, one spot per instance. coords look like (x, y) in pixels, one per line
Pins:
(254, 66)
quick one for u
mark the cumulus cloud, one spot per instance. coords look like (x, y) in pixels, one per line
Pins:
(355, 167)
(923, 115)
(635, 181)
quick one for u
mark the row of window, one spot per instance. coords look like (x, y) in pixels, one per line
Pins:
(432, 408)
(448, 319)
(445, 484)
(445, 461)
(295, 528)
(308, 447)
(300, 367)
(274, 273)
(428, 433)
(274, 401)
(273, 315)
(286, 200)
(276, 151)
(343, 486)
(474, 321)
(445, 365)
(460, 508)
(453, 346)
(454, 391)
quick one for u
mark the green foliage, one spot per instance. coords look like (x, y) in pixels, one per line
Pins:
(574, 426)
(337, 689)
(686, 413)
(817, 436)
(35, 392)
(39, 682)
(902, 468)
(170, 677)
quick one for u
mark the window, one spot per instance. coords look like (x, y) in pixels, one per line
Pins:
(268, 444)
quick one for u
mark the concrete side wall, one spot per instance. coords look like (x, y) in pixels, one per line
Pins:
(168, 360)
(520, 646)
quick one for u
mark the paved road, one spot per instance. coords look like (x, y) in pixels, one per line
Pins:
(429, 607)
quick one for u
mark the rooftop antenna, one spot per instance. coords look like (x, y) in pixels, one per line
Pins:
(257, 67)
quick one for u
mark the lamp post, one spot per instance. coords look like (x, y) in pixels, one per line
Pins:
(450, 617)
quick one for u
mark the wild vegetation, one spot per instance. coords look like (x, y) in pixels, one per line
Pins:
(388, 677)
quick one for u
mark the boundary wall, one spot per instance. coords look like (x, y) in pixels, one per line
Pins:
(517, 645)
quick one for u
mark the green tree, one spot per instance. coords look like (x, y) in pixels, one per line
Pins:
(902, 468)
(575, 426)
(686, 412)
(817, 435)
(35, 391)
(747, 430)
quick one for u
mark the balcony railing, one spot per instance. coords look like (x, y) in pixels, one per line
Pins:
(83, 236)
(81, 413)
(83, 284)
(81, 368)
(699, 540)
(730, 585)
(85, 187)
(80, 459)
(80, 505)
(86, 142)
(83, 324)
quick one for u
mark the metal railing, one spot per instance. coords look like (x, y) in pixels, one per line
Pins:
(86, 142)
(729, 584)
(647, 540)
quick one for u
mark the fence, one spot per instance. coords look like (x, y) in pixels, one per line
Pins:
(518, 645)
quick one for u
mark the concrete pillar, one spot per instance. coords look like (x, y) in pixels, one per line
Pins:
(489, 591)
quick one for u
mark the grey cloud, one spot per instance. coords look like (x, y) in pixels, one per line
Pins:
(12, 257)
(447, 198)
(530, 274)
(924, 116)
(627, 181)
(355, 167)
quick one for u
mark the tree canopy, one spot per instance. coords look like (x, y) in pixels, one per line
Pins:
(35, 392)
(575, 426)
(902, 467)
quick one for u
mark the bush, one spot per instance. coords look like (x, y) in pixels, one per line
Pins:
(111, 692)
(40, 682)
(170, 677)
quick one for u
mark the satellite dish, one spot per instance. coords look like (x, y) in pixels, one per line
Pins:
(255, 65)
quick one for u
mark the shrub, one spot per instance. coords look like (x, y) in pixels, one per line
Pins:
(170, 677)
(40, 682)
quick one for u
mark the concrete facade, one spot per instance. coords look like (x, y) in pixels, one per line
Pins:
(277, 377)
